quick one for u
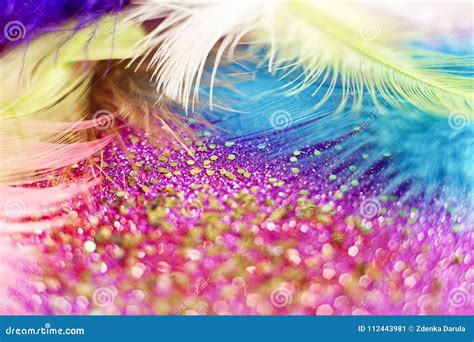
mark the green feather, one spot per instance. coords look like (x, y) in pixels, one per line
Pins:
(341, 47)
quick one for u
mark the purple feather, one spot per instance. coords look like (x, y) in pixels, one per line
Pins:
(22, 20)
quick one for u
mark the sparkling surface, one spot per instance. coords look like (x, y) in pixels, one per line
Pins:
(216, 227)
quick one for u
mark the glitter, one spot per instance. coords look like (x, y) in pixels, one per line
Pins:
(410, 281)
(328, 273)
(261, 146)
(240, 236)
(296, 153)
(228, 143)
(332, 177)
(345, 279)
(293, 159)
(251, 269)
(365, 280)
(194, 254)
(341, 302)
(353, 251)
(327, 250)
(295, 170)
(324, 310)
(190, 162)
(238, 282)
(213, 158)
(138, 270)
(89, 246)
(94, 220)
(399, 266)
(231, 156)
(317, 152)
(271, 226)
(195, 171)
(163, 170)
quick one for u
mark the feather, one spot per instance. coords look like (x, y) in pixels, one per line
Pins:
(332, 47)
(45, 118)
(21, 21)
(185, 37)
(365, 61)
(17, 203)
(15, 257)
(49, 83)
(413, 156)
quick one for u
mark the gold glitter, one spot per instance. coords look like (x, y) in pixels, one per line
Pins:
(190, 162)
(337, 237)
(231, 156)
(195, 171)
(104, 233)
(278, 214)
(210, 172)
(227, 174)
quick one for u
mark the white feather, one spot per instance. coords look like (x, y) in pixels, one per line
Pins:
(188, 32)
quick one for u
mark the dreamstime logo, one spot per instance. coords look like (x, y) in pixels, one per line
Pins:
(281, 297)
(458, 120)
(104, 296)
(280, 120)
(370, 30)
(191, 300)
(192, 32)
(370, 207)
(372, 296)
(458, 297)
(192, 208)
(104, 118)
(14, 30)
(14, 208)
